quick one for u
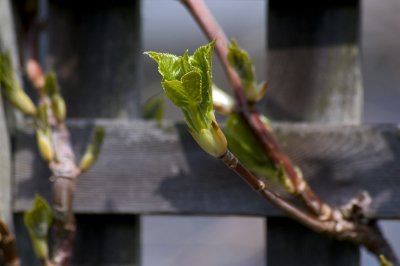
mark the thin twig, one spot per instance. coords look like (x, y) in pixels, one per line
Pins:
(8, 246)
(259, 186)
(367, 234)
(265, 137)
(327, 220)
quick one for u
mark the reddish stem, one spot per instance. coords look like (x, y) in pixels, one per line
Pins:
(210, 27)
(329, 221)
(8, 246)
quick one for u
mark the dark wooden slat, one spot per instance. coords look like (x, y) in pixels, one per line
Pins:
(313, 62)
(97, 56)
(107, 240)
(145, 169)
(314, 75)
(101, 240)
(304, 248)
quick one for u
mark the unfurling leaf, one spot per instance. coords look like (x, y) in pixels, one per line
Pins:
(187, 81)
(240, 60)
(38, 221)
(93, 149)
(248, 150)
(12, 89)
(384, 261)
(154, 108)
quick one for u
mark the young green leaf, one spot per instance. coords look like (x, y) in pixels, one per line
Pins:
(187, 81)
(93, 149)
(246, 148)
(38, 221)
(13, 91)
(240, 60)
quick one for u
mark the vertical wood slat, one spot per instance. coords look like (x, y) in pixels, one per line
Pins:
(96, 50)
(313, 62)
(7, 42)
(97, 59)
(314, 75)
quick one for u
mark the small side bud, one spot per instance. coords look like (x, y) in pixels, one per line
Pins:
(38, 220)
(51, 86)
(11, 87)
(384, 261)
(21, 101)
(58, 106)
(92, 150)
(40, 247)
(284, 180)
(45, 145)
(262, 90)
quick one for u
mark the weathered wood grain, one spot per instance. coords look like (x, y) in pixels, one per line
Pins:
(314, 62)
(145, 169)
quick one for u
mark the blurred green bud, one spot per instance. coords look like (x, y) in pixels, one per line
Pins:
(13, 91)
(38, 221)
(93, 149)
(45, 146)
(384, 261)
(240, 60)
(58, 106)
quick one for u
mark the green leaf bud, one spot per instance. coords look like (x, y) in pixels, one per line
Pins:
(93, 149)
(38, 220)
(187, 81)
(58, 106)
(44, 142)
(12, 89)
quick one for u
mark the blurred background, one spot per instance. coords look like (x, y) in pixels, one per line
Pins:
(165, 25)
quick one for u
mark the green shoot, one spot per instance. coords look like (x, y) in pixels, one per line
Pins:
(240, 60)
(187, 81)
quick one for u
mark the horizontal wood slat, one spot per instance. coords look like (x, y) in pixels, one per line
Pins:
(147, 169)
